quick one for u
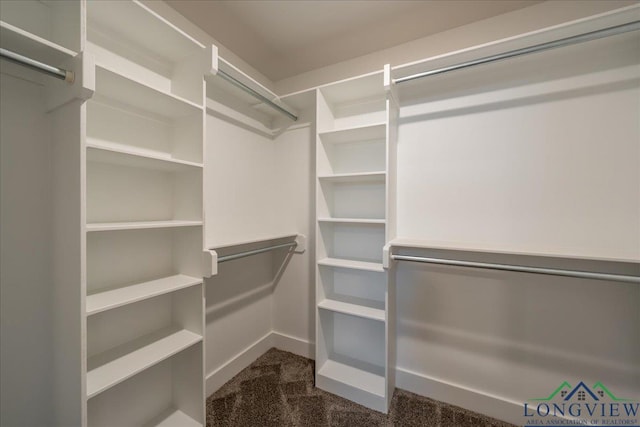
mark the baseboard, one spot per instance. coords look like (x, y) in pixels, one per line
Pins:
(293, 345)
(232, 367)
(455, 394)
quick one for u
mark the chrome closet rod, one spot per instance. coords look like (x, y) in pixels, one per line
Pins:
(520, 268)
(255, 94)
(58, 73)
(255, 252)
(580, 38)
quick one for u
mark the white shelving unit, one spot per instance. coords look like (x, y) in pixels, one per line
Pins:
(144, 215)
(353, 293)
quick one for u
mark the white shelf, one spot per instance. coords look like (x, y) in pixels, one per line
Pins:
(135, 24)
(355, 265)
(378, 176)
(140, 225)
(354, 377)
(32, 46)
(353, 221)
(265, 239)
(114, 366)
(173, 418)
(354, 134)
(114, 298)
(112, 85)
(353, 309)
(103, 152)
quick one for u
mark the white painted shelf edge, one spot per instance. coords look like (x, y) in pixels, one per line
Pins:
(354, 220)
(355, 133)
(254, 240)
(122, 368)
(95, 144)
(355, 177)
(140, 225)
(114, 298)
(353, 309)
(31, 45)
(354, 377)
(355, 265)
(173, 418)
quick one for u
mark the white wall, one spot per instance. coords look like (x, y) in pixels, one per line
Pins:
(25, 264)
(538, 155)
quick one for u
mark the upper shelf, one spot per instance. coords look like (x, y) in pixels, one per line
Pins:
(135, 24)
(33, 46)
(354, 134)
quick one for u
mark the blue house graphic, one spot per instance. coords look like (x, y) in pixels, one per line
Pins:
(582, 392)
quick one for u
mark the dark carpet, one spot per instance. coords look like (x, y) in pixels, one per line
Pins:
(278, 390)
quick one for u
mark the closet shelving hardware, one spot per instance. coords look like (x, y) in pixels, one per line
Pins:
(115, 366)
(405, 246)
(41, 67)
(242, 99)
(377, 176)
(140, 225)
(244, 254)
(114, 298)
(563, 42)
(353, 309)
(100, 152)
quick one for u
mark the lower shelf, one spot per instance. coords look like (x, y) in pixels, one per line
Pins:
(363, 387)
(173, 418)
(114, 366)
(356, 265)
(353, 309)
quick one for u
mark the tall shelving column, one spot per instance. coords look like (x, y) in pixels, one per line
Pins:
(144, 291)
(354, 340)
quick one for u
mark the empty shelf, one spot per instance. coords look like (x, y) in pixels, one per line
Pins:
(378, 176)
(100, 152)
(33, 46)
(140, 225)
(354, 377)
(356, 265)
(174, 418)
(353, 309)
(354, 134)
(114, 298)
(139, 26)
(115, 366)
(353, 220)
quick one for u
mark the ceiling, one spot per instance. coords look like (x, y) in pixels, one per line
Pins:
(283, 38)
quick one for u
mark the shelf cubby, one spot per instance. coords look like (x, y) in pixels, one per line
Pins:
(351, 103)
(357, 242)
(48, 31)
(352, 151)
(119, 191)
(131, 39)
(352, 358)
(120, 259)
(341, 289)
(163, 394)
(352, 199)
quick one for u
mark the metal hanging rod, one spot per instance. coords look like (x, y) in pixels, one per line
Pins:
(581, 38)
(255, 94)
(255, 252)
(58, 73)
(521, 268)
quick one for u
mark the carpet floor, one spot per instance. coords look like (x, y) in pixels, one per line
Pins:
(277, 390)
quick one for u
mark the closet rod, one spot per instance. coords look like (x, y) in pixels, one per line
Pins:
(255, 94)
(255, 252)
(580, 38)
(521, 268)
(58, 73)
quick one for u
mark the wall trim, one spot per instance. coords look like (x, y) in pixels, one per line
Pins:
(456, 394)
(293, 345)
(233, 366)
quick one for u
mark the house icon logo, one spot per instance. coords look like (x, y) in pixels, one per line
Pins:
(581, 405)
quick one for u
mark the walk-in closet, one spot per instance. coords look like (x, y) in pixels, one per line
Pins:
(319, 213)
